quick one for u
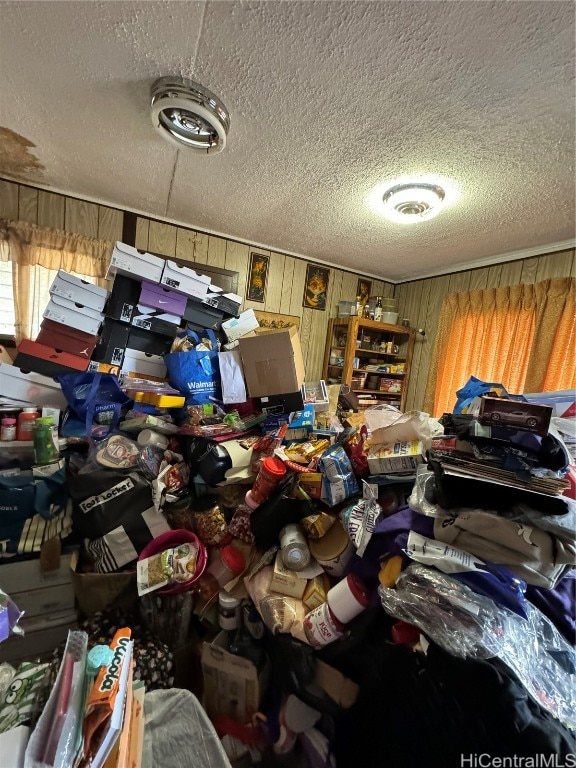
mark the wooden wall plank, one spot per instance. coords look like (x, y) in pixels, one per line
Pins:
(274, 282)
(217, 252)
(494, 276)
(142, 231)
(287, 286)
(185, 244)
(8, 200)
(236, 258)
(110, 222)
(28, 204)
(554, 265)
(201, 242)
(459, 282)
(81, 217)
(162, 238)
(479, 279)
(421, 354)
(297, 292)
(51, 209)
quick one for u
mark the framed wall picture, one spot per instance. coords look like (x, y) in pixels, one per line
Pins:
(364, 290)
(257, 276)
(315, 287)
(276, 320)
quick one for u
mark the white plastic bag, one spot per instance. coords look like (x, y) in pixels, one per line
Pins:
(232, 376)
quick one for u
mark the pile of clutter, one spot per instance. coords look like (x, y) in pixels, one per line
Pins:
(258, 514)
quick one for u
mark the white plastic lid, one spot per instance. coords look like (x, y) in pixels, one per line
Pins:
(227, 601)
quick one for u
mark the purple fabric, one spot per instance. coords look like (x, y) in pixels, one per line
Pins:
(389, 538)
(559, 604)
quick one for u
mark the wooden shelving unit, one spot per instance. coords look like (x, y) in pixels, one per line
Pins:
(355, 347)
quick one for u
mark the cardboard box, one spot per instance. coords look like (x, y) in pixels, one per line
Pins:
(286, 582)
(290, 402)
(47, 360)
(232, 685)
(29, 575)
(123, 299)
(68, 339)
(97, 592)
(341, 689)
(272, 362)
(316, 394)
(228, 303)
(240, 326)
(184, 280)
(150, 342)
(113, 342)
(30, 387)
(43, 635)
(155, 320)
(143, 363)
(129, 261)
(95, 367)
(399, 457)
(75, 315)
(46, 600)
(79, 291)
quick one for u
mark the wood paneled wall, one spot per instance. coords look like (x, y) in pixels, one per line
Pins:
(285, 285)
(421, 301)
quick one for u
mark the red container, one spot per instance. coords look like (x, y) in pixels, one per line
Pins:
(172, 539)
(271, 471)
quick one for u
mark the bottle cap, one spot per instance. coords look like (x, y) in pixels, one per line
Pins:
(8, 421)
(99, 656)
(233, 559)
(30, 410)
(227, 601)
(274, 467)
(45, 420)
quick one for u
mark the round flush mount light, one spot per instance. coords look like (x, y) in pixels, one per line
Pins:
(189, 115)
(412, 202)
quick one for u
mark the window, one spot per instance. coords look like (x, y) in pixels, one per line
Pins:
(7, 318)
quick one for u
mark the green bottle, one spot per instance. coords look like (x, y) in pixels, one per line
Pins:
(45, 448)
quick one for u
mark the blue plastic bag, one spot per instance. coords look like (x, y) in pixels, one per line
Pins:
(476, 388)
(196, 373)
(95, 403)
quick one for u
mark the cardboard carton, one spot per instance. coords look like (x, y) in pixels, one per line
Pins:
(272, 361)
(47, 360)
(398, 457)
(160, 297)
(129, 261)
(184, 280)
(68, 339)
(30, 387)
(232, 685)
(80, 291)
(69, 313)
(286, 582)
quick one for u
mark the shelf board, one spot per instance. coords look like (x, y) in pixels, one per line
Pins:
(378, 373)
(378, 352)
(377, 392)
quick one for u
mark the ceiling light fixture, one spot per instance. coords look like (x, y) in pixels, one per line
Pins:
(189, 115)
(412, 202)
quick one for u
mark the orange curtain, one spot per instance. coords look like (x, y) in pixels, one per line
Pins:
(522, 336)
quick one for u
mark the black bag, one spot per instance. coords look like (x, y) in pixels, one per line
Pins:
(114, 511)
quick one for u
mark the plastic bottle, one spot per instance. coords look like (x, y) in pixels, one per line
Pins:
(229, 617)
(8, 429)
(271, 471)
(45, 449)
(25, 426)
(225, 564)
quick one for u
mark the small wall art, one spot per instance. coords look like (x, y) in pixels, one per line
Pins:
(363, 290)
(257, 277)
(315, 287)
(276, 320)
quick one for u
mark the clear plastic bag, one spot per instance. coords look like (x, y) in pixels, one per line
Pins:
(470, 625)
(423, 493)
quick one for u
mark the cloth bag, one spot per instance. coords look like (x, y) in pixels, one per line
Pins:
(34, 510)
(196, 373)
(114, 511)
(95, 402)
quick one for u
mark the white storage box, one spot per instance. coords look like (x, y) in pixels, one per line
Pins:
(144, 363)
(184, 280)
(241, 325)
(30, 387)
(129, 261)
(69, 313)
(74, 289)
(28, 575)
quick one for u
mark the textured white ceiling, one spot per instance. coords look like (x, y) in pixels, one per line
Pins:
(328, 100)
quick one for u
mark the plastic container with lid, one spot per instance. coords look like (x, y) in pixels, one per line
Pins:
(271, 471)
(25, 426)
(223, 566)
(8, 429)
(334, 550)
(293, 547)
(229, 617)
(348, 598)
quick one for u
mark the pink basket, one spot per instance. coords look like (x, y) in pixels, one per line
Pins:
(173, 539)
